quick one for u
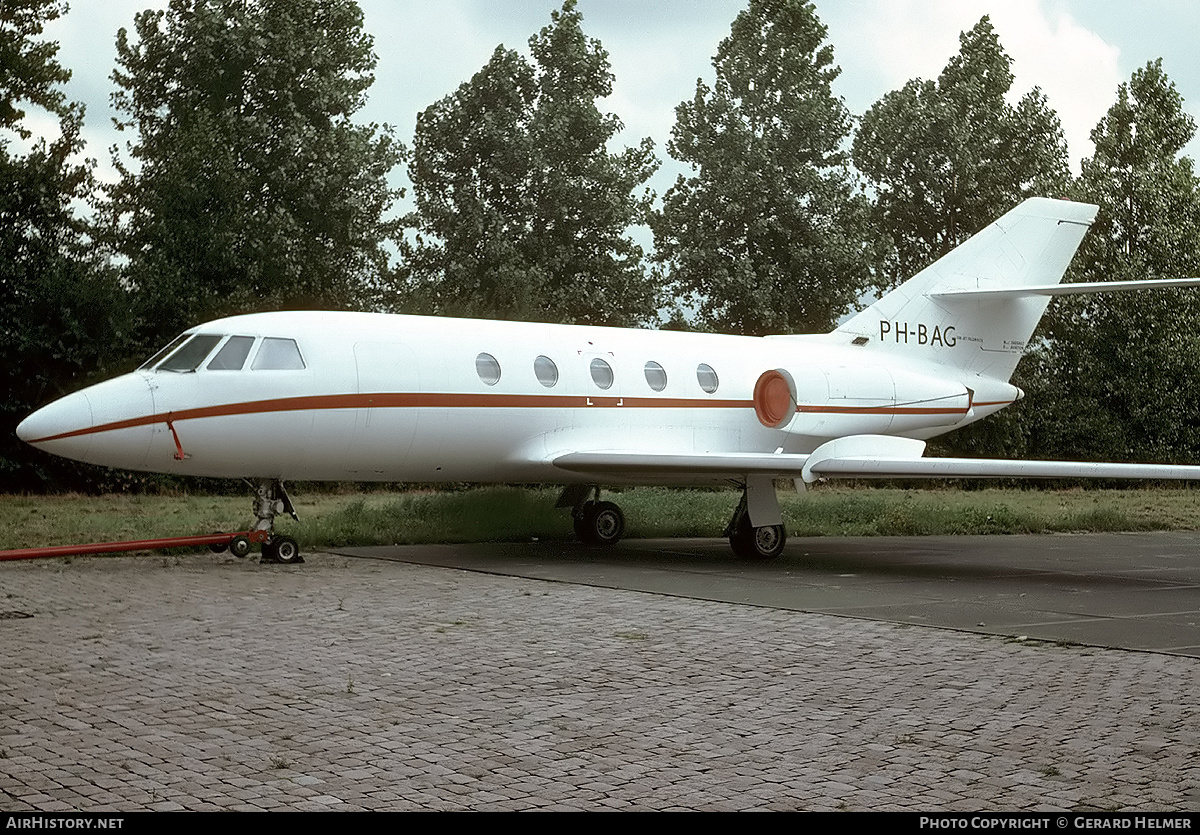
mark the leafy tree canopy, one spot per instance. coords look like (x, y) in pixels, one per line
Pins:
(247, 185)
(63, 314)
(29, 71)
(1120, 373)
(946, 158)
(522, 212)
(769, 234)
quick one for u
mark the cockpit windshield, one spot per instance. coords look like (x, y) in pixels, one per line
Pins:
(232, 355)
(154, 360)
(188, 352)
(278, 354)
(191, 353)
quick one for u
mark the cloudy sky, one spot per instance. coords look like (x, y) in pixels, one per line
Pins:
(1077, 51)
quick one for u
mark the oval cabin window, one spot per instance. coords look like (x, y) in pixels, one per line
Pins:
(656, 376)
(602, 374)
(488, 369)
(546, 371)
(706, 377)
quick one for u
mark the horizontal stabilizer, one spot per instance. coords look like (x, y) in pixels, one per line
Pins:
(1079, 289)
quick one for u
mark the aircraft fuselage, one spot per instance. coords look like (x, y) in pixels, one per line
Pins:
(378, 397)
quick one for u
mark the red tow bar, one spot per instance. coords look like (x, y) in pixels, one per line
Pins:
(138, 545)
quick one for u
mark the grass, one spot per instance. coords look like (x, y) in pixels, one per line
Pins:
(515, 514)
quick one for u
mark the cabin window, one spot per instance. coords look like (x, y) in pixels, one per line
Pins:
(656, 376)
(175, 343)
(277, 354)
(488, 369)
(706, 377)
(232, 355)
(602, 374)
(191, 353)
(546, 371)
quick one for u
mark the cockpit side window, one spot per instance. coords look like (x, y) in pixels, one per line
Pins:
(154, 360)
(191, 353)
(232, 355)
(278, 354)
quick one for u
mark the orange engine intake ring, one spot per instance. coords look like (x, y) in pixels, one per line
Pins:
(774, 399)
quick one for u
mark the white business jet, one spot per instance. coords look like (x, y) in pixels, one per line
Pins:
(272, 397)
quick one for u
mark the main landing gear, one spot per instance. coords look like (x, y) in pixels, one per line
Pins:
(270, 499)
(755, 532)
(596, 522)
(765, 540)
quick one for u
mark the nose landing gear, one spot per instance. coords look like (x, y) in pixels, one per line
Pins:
(270, 499)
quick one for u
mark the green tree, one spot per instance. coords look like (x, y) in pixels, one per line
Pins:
(946, 158)
(769, 234)
(63, 315)
(522, 212)
(1119, 375)
(248, 185)
(29, 72)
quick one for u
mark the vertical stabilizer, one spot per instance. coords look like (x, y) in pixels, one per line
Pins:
(1030, 246)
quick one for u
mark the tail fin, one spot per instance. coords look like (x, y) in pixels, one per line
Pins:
(932, 318)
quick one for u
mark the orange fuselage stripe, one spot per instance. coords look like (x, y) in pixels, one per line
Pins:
(450, 400)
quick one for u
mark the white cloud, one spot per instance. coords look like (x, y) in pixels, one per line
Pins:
(1075, 68)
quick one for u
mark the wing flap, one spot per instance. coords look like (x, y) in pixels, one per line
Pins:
(641, 464)
(855, 456)
(873, 467)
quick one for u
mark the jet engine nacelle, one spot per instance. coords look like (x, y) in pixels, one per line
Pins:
(857, 400)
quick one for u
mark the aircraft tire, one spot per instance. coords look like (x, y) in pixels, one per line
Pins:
(602, 523)
(760, 544)
(286, 550)
(239, 546)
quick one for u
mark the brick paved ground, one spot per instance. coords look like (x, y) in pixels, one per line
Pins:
(206, 683)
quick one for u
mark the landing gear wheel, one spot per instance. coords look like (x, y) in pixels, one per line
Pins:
(270, 499)
(286, 550)
(600, 523)
(762, 543)
(239, 546)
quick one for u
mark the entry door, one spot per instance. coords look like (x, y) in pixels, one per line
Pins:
(390, 385)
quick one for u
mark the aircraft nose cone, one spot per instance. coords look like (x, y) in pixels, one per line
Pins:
(61, 427)
(28, 429)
